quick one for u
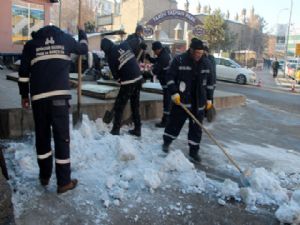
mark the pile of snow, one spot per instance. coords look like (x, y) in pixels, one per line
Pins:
(290, 212)
(122, 167)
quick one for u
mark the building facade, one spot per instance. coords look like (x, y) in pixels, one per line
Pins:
(18, 19)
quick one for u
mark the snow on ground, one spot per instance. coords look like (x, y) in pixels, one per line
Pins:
(112, 169)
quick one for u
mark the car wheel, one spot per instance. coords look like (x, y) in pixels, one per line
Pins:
(241, 79)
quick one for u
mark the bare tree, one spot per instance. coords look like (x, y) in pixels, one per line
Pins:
(199, 7)
(209, 10)
(205, 9)
(236, 18)
(227, 15)
(244, 13)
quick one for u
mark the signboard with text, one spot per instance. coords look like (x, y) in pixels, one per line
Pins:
(171, 14)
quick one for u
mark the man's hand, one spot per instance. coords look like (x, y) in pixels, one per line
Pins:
(209, 104)
(25, 103)
(176, 98)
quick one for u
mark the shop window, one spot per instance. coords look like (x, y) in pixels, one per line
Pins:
(26, 17)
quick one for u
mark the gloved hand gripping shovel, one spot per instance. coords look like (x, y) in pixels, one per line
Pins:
(244, 181)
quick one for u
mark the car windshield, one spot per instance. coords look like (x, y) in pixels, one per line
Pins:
(235, 63)
(227, 62)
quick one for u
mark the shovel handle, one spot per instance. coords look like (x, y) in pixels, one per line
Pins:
(79, 65)
(140, 55)
(211, 137)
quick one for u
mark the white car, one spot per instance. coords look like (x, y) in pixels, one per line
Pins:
(228, 69)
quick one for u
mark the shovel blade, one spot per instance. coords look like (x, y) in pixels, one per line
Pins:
(244, 181)
(108, 117)
(76, 119)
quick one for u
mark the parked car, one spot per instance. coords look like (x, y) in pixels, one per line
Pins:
(228, 69)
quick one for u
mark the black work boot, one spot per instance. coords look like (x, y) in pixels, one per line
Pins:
(165, 147)
(194, 156)
(44, 181)
(136, 131)
(162, 123)
(115, 130)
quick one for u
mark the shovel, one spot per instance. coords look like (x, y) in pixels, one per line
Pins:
(244, 181)
(77, 115)
(108, 116)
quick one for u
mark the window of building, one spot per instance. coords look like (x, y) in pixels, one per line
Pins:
(26, 17)
(117, 7)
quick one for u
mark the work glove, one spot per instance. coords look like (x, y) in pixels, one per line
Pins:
(209, 104)
(25, 103)
(176, 98)
(210, 111)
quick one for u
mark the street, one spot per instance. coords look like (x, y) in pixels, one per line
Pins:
(267, 94)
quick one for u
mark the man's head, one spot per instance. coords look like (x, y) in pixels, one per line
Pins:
(156, 47)
(196, 49)
(139, 30)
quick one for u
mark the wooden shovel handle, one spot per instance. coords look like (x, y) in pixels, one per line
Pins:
(211, 137)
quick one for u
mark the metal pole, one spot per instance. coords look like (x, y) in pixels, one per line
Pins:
(287, 38)
(79, 68)
(60, 14)
(185, 29)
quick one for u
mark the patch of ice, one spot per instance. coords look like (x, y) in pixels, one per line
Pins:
(221, 202)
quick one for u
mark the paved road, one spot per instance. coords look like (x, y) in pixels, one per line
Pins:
(277, 98)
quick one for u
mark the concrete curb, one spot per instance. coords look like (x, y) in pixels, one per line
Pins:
(17, 122)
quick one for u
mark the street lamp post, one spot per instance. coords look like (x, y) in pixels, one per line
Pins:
(185, 29)
(287, 38)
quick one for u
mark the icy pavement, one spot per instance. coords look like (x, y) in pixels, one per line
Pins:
(119, 173)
